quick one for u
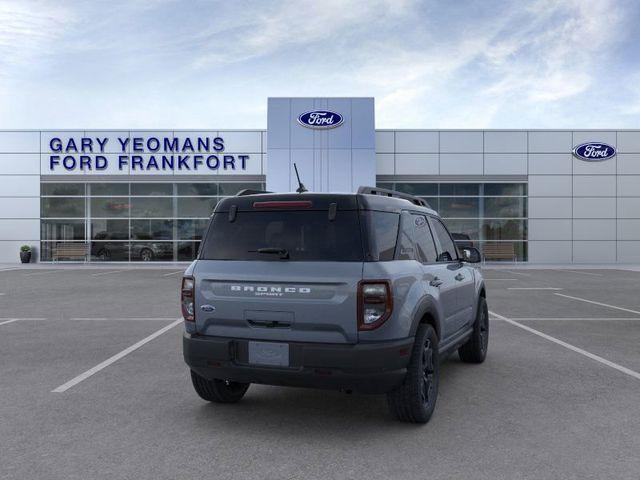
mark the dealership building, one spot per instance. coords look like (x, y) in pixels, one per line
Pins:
(537, 196)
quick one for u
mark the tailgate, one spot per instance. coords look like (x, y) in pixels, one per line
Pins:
(280, 301)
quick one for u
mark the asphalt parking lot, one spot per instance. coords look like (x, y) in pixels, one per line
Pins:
(93, 385)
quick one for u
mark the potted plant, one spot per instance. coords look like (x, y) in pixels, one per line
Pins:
(25, 253)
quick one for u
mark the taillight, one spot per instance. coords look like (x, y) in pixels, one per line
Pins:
(375, 303)
(186, 299)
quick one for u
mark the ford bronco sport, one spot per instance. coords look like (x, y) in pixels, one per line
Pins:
(361, 292)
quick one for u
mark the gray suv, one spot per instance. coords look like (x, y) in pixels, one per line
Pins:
(361, 292)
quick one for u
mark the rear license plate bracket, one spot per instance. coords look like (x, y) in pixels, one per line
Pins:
(274, 354)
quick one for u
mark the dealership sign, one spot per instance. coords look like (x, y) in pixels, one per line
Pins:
(320, 119)
(594, 151)
(142, 154)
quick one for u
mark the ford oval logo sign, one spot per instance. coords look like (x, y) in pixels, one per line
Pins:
(594, 151)
(321, 119)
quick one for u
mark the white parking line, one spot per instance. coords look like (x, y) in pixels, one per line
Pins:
(503, 279)
(10, 269)
(579, 272)
(92, 371)
(40, 273)
(598, 303)
(172, 273)
(1, 294)
(534, 288)
(578, 319)
(519, 273)
(158, 319)
(19, 319)
(573, 348)
(106, 273)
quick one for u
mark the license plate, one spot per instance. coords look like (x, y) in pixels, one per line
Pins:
(269, 353)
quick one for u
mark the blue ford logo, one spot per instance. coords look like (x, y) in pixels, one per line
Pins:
(594, 151)
(321, 119)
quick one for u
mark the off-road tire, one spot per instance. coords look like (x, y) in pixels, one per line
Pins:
(219, 391)
(475, 349)
(415, 400)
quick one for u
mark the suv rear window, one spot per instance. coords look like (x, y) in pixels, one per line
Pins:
(305, 235)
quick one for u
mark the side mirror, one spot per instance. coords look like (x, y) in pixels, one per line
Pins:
(470, 255)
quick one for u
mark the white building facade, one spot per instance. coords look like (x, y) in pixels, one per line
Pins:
(144, 195)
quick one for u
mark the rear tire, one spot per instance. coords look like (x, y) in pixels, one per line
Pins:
(475, 350)
(415, 400)
(219, 391)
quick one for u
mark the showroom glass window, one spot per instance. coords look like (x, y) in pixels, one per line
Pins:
(480, 213)
(131, 221)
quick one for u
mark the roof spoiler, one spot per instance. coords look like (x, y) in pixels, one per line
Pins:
(383, 192)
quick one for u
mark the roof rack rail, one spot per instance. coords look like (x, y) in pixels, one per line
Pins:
(383, 192)
(249, 191)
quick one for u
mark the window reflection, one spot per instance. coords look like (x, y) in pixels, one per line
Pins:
(195, 207)
(105, 251)
(458, 189)
(198, 189)
(459, 207)
(477, 213)
(151, 207)
(504, 229)
(66, 230)
(501, 207)
(108, 189)
(62, 189)
(418, 189)
(62, 207)
(513, 189)
(151, 229)
(110, 207)
(226, 189)
(103, 229)
(139, 221)
(470, 228)
(192, 229)
(151, 251)
(152, 189)
(188, 250)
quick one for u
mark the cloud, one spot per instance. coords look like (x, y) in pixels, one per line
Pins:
(548, 52)
(429, 64)
(265, 30)
(554, 54)
(28, 29)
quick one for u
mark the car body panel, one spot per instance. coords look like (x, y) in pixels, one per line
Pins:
(282, 301)
(313, 305)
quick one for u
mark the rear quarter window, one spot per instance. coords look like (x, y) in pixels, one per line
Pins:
(382, 234)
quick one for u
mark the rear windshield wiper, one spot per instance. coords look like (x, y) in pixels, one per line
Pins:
(283, 252)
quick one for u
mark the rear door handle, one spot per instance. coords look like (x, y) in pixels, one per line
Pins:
(459, 277)
(436, 282)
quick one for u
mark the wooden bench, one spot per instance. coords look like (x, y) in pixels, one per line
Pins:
(499, 251)
(70, 250)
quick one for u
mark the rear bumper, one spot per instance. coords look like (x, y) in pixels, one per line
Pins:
(365, 367)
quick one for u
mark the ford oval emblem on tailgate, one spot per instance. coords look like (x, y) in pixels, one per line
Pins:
(207, 308)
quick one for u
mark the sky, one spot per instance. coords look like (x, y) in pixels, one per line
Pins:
(429, 64)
